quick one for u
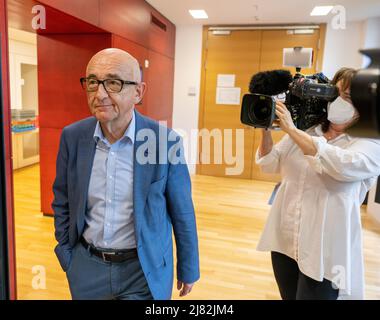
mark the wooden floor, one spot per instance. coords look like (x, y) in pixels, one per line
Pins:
(230, 216)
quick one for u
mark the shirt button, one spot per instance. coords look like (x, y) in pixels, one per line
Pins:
(109, 200)
(112, 153)
(111, 177)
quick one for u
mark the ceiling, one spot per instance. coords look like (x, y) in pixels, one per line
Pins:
(261, 11)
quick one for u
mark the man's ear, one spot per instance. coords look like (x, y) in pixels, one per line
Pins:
(140, 91)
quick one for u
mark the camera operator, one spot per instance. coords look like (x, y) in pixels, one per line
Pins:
(314, 229)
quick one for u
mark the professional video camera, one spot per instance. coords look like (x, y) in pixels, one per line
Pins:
(306, 97)
(365, 95)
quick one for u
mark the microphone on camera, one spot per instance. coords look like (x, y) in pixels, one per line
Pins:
(270, 83)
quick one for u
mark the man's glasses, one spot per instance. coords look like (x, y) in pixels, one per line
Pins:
(110, 85)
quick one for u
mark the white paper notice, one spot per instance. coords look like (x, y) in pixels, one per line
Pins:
(228, 96)
(226, 80)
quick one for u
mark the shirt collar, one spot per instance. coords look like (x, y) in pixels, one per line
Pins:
(319, 132)
(129, 133)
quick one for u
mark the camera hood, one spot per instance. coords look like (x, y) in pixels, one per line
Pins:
(365, 95)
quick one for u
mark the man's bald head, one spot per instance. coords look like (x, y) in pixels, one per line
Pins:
(114, 59)
(111, 107)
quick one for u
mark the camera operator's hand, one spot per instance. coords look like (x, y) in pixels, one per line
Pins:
(285, 120)
(302, 139)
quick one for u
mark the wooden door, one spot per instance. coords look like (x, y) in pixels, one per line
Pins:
(237, 54)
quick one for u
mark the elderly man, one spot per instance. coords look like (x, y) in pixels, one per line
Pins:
(118, 196)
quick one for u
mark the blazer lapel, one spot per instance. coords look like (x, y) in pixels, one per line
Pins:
(142, 173)
(85, 159)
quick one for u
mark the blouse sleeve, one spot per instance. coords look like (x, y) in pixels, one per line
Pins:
(361, 160)
(270, 163)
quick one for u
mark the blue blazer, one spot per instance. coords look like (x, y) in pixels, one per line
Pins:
(162, 203)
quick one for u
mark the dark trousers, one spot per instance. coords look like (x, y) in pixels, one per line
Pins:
(90, 278)
(294, 285)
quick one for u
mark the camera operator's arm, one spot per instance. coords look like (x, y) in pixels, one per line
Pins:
(359, 161)
(266, 143)
(268, 157)
(301, 138)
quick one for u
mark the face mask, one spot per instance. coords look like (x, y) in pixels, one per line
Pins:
(340, 111)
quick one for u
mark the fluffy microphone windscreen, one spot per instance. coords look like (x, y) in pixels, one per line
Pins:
(270, 82)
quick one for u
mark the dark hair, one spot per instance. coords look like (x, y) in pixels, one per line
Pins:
(346, 75)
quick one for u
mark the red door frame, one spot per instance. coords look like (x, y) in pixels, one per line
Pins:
(8, 149)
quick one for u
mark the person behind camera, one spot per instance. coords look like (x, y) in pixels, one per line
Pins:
(314, 229)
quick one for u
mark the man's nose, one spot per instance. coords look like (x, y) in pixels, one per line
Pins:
(101, 92)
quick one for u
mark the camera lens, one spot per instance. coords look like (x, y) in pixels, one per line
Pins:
(260, 110)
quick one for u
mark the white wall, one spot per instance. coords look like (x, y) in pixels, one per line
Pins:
(372, 36)
(22, 49)
(342, 46)
(187, 75)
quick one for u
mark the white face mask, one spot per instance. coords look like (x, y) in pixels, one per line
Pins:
(340, 111)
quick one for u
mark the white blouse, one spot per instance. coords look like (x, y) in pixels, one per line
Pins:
(315, 216)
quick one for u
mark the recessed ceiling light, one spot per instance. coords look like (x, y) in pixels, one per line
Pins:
(321, 10)
(198, 14)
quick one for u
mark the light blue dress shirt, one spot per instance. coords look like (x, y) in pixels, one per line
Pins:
(109, 217)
